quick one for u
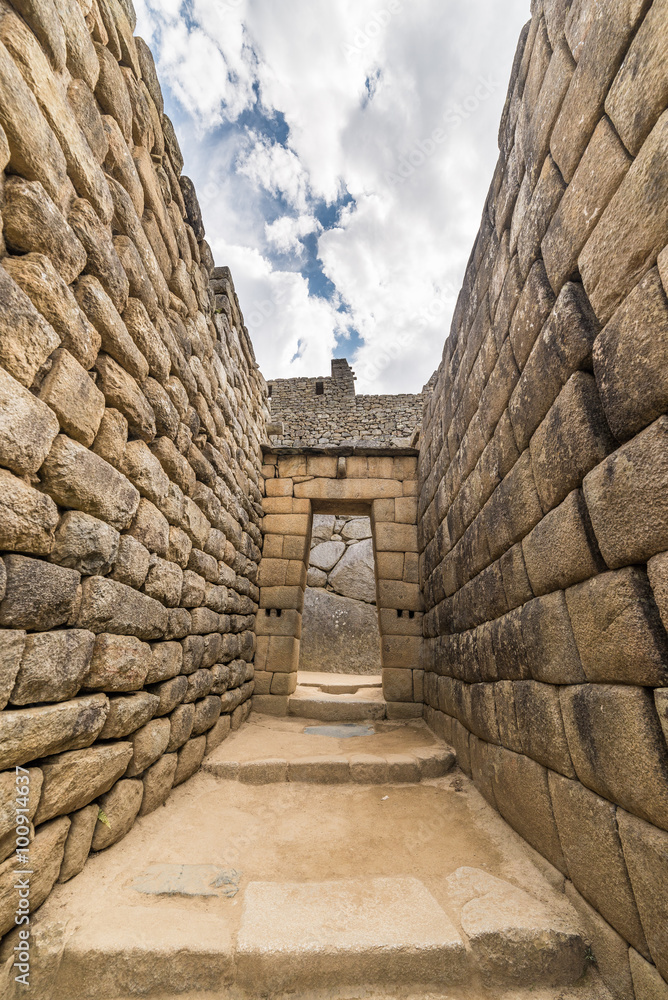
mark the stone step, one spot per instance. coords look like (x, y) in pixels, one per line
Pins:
(309, 702)
(269, 750)
(310, 938)
(330, 683)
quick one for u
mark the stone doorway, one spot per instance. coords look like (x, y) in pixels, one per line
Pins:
(300, 486)
(340, 633)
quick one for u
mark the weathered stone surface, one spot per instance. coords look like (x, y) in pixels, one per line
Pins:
(146, 338)
(166, 661)
(181, 723)
(609, 948)
(588, 833)
(120, 807)
(108, 606)
(631, 359)
(86, 544)
(573, 438)
(354, 575)
(46, 855)
(78, 478)
(53, 666)
(158, 781)
(119, 663)
(618, 630)
(43, 284)
(27, 427)
(27, 518)
(339, 634)
(632, 771)
(143, 469)
(72, 780)
(647, 982)
(561, 550)
(207, 713)
(326, 555)
(128, 713)
(33, 223)
(115, 339)
(657, 571)
(646, 854)
(149, 743)
(12, 642)
(122, 393)
(627, 498)
(632, 230)
(78, 843)
(102, 259)
(111, 437)
(26, 339)
(28, 733)
(81, 98)
(71, 393)
(190, 758)
(39, 596)
(541, 726)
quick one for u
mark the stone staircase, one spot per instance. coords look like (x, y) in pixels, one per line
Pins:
(302, 861)
(338, 697)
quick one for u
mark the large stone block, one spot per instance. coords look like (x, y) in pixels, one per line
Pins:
(610, 949)
(158, 780)
(53, 666)
(354, 575)
(632, 230)
(85, 543)
(78, 843)
(647, 982)
(122, 393)
(627, 498)
(72, 780)
(541, 726)
(646, 854)
(617, 746)
(164, 582)
(107, 606)
(12, 642)
(120, 807)
(572, 440)
(33, 223)
(46, 855)
(533, 309)
(618, 630)
(71, 393)
(39, 595)
(150, 528)
(631, 359)
(27, 427)
(103, 262)
(190, 758)
(28, 733)
(118, 663)
(81, 480)
(589, 837)
(149, 743)
(27, 517)
(561, 550)
(128, 713)
(657, 571)
(523, 799)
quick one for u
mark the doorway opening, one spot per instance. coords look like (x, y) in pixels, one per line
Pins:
(340, 630)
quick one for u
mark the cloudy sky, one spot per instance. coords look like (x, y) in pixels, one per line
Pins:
(342, 151)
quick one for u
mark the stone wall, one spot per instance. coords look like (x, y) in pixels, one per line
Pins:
(543, 513)
(131, 418)
(322, 412)
(340, 627)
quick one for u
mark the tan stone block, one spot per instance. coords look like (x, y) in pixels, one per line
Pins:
(396, 537)
(410, 488)
(405, 468)
(610, 950)
(403, 767)
(404, 596)
(269, 623)
(296, 574)
(272, 547)
(71, 393)
(295, 546)
(272, 573)
(269, 471)
(112, 437)
(411, 568)
(270, 704)
(381, 468)
(286, 524)
(357, 467)
(400, 651)
(405, 510)
(382, 511)
(390, 565)
(284, 684)
(282, 654)
(646, 854)
(283, 505)
(647, 982)
(397, 683)
(321, 465)
(366, 769)
(28, 427)
(391, 624)
(288, 467)
(278, 487)
(282, 597)
(320, 770)
(27, 517)
(349, 489)
(263, 679)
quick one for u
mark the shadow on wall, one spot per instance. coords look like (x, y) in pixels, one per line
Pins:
(340, 625)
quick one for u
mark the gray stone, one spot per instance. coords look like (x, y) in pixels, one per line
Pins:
(149, 743)
(164, 581)
(326, 555)
(166, 662)
(207, 713)
(72, 780)
(40, 596)
(27, 517)
(171, 693)
(27, 427)
(79, 479)
(181, 722)
(53, 666)
(132, 560)
(119, 663)
(356, 529)
(107, 606)
(128, 713)
(354, 575)
(86, 544)
(28, 733)
(119, 808)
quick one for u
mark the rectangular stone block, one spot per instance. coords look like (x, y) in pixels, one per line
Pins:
(396, 537)
(277, 654)
(27, 427)
(71, 393)
(627, 498)
(541, 727)
(349, 489)
(39, 596)
(27, 517)
(548, 647)
(561, 550)
(53, 666)
(278, 487)
(107, 606)
(646, 854)
(403, 596)
(29, 733)
(401, 651)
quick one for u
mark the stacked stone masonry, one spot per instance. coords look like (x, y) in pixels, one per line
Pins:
(325, 412)
(132, 415)
(543, 497)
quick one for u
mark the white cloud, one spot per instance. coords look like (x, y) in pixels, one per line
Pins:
(395, 104)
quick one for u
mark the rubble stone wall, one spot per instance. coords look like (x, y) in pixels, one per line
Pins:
(321, 412)
(543, 511)
(132, 415)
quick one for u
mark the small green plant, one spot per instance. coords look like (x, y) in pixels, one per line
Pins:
(590, 956)
(103, 818)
